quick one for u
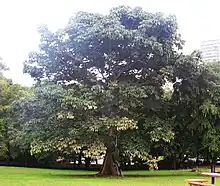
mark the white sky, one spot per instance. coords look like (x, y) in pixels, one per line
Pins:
(198, 20)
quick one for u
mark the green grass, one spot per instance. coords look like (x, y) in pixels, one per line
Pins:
(14, 176)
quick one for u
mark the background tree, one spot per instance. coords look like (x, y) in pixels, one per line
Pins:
(195, 109)
(9, 92)
(3, 67)
(210, 115)
(189, 92)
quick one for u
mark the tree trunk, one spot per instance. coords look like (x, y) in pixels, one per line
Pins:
(213, 169)
(79, 159)
(110, 167)
(9, 156)
(87, 162)
(174, 162)
(8, 146)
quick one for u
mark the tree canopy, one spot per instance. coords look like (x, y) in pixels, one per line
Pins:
(123, 59)
(119, 85)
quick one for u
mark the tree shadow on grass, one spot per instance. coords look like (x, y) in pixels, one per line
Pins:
(125, 176)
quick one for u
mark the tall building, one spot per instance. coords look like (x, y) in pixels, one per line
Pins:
(210, 50)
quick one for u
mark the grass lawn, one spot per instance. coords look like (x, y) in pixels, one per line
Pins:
(13, 176)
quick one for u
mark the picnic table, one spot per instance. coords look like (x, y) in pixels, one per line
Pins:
(212, 175)
(199, 182)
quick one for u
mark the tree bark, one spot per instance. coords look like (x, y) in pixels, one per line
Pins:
(9, 156)
(213, 169)
(87, 162)
(8, 146)
(110, 167)
(174, 163)
(79, 159)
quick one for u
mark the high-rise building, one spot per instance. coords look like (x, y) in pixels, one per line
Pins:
(210, 50)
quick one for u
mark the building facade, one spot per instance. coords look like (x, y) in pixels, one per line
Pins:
(210, 50)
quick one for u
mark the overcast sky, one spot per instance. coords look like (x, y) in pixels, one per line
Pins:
(198, 20)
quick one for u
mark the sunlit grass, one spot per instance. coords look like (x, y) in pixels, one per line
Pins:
(14, 176)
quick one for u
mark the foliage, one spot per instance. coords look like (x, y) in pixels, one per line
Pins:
(195, 107)
(153, 163)
(119, 82)
(112, 69)
(9, 92)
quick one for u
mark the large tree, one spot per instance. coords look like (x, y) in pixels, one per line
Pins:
(121, 61)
